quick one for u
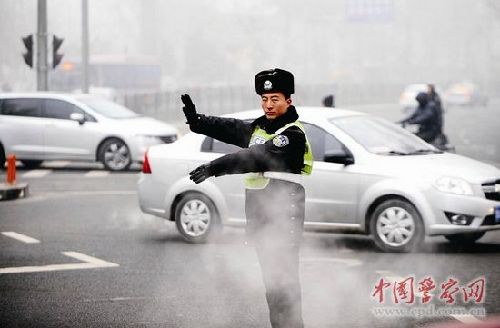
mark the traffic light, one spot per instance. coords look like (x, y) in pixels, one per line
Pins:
(28, 55)
(56, 44)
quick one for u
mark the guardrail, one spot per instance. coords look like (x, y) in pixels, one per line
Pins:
(218, 100)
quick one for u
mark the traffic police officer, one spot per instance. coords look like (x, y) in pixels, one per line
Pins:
(275, 155)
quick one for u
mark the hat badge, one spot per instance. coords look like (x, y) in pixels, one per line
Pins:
(268, 85)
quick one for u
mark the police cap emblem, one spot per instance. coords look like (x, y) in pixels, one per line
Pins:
(268, 85)
(281, 140)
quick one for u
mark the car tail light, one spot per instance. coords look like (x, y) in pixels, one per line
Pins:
(145, 165)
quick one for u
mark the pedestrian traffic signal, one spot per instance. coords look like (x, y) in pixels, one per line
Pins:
(28, 55)
(56, 44)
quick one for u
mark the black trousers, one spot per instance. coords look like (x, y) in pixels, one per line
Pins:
(275, 222)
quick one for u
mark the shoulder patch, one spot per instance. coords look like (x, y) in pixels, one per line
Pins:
(280, 140)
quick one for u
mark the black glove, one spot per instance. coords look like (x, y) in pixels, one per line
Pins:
(189, 109)
(201, 173)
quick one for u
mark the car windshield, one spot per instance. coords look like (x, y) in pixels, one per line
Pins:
(108, 108)
(382, 137)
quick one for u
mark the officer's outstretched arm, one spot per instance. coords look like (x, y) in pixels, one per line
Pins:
(284, 153)
(243, 161)
(227, 130)
(201, 173)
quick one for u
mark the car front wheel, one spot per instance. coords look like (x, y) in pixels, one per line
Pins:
(397, 226)
(115, 155)
(196, 218)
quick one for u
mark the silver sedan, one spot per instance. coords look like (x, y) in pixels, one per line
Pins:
(49, 126)
(370, 176)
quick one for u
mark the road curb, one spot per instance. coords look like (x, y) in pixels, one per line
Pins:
(13, 191)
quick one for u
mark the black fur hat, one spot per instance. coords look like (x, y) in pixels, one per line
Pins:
(274, 80)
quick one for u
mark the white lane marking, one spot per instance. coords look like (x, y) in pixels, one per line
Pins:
(36, 173)
(96, 174)
(85, 258)
(89, 263)
(348, 262)
(21, 237)
(465, 318)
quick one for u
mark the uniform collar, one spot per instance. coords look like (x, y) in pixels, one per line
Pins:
(271, 126)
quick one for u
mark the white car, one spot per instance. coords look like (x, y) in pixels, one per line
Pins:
(465, 94)
(370, 176)
(44, 126)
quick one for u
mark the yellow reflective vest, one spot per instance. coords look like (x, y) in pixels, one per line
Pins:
(261, 180)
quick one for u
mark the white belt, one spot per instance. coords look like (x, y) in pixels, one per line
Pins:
(296, 178)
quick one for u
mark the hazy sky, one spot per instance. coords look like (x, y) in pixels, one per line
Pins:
(225, 42)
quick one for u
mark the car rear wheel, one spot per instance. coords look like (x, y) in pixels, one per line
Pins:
(397, 226)
(465, 238)
(115, 155)
(31, 164)
(196, 218)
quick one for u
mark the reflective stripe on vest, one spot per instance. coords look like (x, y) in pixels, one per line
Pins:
(261, 180)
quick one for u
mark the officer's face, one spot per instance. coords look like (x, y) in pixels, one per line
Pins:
(275, 104)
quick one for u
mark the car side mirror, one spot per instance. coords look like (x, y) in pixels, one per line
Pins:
(339, 157)
(79, 117)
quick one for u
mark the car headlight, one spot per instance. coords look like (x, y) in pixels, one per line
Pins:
(453, 186)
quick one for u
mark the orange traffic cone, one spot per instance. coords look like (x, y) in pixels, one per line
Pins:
(11, 189)
(11, 169)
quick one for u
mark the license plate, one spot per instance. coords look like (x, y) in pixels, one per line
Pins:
(497, 214)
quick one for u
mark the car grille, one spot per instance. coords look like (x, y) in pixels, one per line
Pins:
(168, 139)
(489, 220)
(492, 190)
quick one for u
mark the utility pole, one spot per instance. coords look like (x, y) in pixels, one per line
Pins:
(85, 47)
(41, 49)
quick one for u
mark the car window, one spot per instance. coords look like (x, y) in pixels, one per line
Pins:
(316, 137)
(224, 148)
(379, 136)
(332, 145)
(211, 145)
(59, 109)
(322, 142)
(21, 107)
